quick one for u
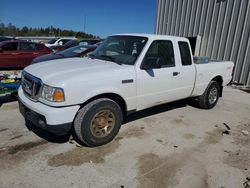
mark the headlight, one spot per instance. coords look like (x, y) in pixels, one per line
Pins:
(52, 94)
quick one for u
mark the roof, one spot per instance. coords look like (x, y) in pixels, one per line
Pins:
(154, 36)
(12, 41)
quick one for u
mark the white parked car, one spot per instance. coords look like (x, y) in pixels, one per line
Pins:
(126, 73)
(57, 41)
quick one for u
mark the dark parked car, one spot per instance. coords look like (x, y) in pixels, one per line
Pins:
(73, 43)
(77, 51)
(5, 39)
(19, 54)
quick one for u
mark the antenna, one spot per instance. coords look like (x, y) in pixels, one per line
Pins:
(84, 24)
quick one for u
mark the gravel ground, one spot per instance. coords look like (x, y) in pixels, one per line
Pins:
(173, 145)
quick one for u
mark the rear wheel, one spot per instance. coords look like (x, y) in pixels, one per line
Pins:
(98, 122)
(211, 96)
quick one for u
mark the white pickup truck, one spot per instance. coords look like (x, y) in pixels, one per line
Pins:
(126, 73)
(58, 42)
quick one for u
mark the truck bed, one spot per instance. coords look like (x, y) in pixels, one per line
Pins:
(207, 71)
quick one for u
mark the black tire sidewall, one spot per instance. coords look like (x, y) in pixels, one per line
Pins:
(87, 136)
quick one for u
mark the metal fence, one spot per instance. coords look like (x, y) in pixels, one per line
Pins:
(223, 27)
(38, 38)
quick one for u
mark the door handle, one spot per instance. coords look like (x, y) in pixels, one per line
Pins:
(14, 53)
(35, 53)
(176, 73)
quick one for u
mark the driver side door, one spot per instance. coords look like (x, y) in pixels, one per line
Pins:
(158, 76)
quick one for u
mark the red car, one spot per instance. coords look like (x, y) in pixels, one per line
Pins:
(19, 54)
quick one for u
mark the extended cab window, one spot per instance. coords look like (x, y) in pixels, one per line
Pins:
(163, 51)
(10, 47)
(185, 53)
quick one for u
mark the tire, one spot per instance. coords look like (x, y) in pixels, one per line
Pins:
(98, 122)
(211, 96)
(14, 95)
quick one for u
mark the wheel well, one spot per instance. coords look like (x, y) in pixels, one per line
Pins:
(220, 81)
(115, 97)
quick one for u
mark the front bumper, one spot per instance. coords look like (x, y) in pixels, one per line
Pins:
(57, 120)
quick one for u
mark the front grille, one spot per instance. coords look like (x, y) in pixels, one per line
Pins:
(31, 85)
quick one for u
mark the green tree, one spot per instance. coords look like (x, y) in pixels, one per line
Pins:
(2, 28)
(12, 30)
(24, 31)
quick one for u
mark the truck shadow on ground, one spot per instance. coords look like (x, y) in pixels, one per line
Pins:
(246, 90)
(160, 109)
(129, 118)
(50, 137)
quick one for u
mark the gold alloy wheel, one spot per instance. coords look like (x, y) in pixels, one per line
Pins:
(102, 123)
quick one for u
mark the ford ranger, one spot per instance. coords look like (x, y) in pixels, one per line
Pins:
(126, 73)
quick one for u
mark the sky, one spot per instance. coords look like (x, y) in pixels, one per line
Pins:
(97, 17)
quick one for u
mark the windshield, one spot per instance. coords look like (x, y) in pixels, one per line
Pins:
(120, 49)
(52, 41)
(71, 43)
(74, 51)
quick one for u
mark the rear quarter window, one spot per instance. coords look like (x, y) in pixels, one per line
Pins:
(185, 53)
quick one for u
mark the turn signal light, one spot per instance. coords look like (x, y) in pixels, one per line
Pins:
(58, 95)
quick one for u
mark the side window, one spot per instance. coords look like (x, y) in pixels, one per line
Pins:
(163, 51)
(24, 46)
(185, 53)
(12, 46)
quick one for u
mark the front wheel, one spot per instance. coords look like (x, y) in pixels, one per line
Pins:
(14, 95)
(211, 96)
(98, 122)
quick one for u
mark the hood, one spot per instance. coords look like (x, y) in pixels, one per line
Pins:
(57, 72)
(47, 57)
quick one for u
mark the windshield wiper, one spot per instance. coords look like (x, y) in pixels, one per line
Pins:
(111, 59)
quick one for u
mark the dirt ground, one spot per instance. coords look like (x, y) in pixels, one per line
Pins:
(173, 145)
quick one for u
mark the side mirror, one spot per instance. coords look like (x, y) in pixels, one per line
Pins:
(151, 63)
(60, 43)
(1, 50)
